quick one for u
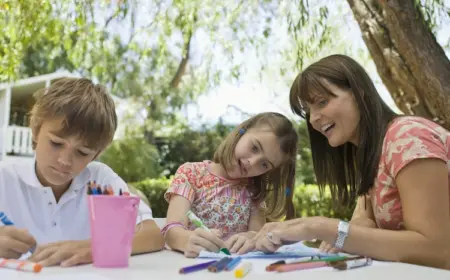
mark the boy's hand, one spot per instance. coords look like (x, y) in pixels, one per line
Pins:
(241, 243)
(65, 253)
(200, 240)
(14, 242)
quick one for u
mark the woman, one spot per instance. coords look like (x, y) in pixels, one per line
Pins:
(398, 168)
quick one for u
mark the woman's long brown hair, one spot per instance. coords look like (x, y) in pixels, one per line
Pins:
(348, 170)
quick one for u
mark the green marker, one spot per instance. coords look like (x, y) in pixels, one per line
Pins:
(199, 223)
(330, 259)
(196, 220)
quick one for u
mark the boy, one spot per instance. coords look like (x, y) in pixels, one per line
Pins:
(72, 122)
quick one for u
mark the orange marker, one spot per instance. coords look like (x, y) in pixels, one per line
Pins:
(20, 265)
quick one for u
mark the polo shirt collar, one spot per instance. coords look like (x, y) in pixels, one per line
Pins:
(29, 177)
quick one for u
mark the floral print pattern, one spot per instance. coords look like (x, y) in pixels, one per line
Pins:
(407, 139)
(219, 203)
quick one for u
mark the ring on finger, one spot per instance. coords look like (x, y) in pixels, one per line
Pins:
(269, 236)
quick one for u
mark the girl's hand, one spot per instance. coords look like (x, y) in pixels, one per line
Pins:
(200, 240)
(14, 242)
(241, 243)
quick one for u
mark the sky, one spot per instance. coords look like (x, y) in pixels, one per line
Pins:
(251, 94)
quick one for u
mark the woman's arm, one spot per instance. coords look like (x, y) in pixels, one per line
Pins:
(363, 213)
(424, 190)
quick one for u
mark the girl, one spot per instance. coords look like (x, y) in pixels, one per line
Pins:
(253, 165)
(397, 166)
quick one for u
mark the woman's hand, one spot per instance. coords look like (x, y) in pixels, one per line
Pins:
(274, 235)
(328, 248)
(200, 240)
(241, 243)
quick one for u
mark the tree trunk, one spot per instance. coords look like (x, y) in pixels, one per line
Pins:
(409, 60)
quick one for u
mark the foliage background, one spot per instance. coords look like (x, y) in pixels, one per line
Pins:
(162, 56)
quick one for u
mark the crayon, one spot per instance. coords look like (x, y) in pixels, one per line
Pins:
(220, 265)
(20, 265)
(196, 267)
(243, 270)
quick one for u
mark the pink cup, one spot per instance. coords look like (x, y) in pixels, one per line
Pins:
(113, 221)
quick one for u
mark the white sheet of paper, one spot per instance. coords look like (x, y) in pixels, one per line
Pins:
(295, 250)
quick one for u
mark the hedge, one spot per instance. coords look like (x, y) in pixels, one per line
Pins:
(307, 200)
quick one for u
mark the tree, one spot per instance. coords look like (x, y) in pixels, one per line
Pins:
(305, 170)
(191, 145)
(410, 61)
(162, 54)
(133, 158)
(400, 37)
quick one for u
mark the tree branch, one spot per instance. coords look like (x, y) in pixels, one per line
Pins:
(183, 63)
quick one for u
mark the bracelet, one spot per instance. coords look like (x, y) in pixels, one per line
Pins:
(170, 225)
(343, 228)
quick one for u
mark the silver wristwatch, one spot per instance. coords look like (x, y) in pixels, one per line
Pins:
(342, 234)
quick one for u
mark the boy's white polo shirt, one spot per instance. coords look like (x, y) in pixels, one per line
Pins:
(30, 205)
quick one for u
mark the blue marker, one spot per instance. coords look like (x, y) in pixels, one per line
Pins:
(7, 222)
(231, 265)
(5, 219)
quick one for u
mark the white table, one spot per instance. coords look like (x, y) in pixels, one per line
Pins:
(164, 265)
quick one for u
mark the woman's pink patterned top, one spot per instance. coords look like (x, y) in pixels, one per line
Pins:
(407, 138)
(219, 203)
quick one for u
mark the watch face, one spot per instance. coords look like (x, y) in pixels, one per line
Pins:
(343, 226)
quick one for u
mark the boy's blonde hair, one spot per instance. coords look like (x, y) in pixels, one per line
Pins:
(276, 187)
(87, 111)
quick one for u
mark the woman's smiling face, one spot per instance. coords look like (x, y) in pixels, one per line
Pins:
(336, 117)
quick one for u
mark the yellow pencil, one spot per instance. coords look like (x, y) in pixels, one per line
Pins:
(243, 270)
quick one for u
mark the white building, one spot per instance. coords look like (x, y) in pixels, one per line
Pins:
(16, 100)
